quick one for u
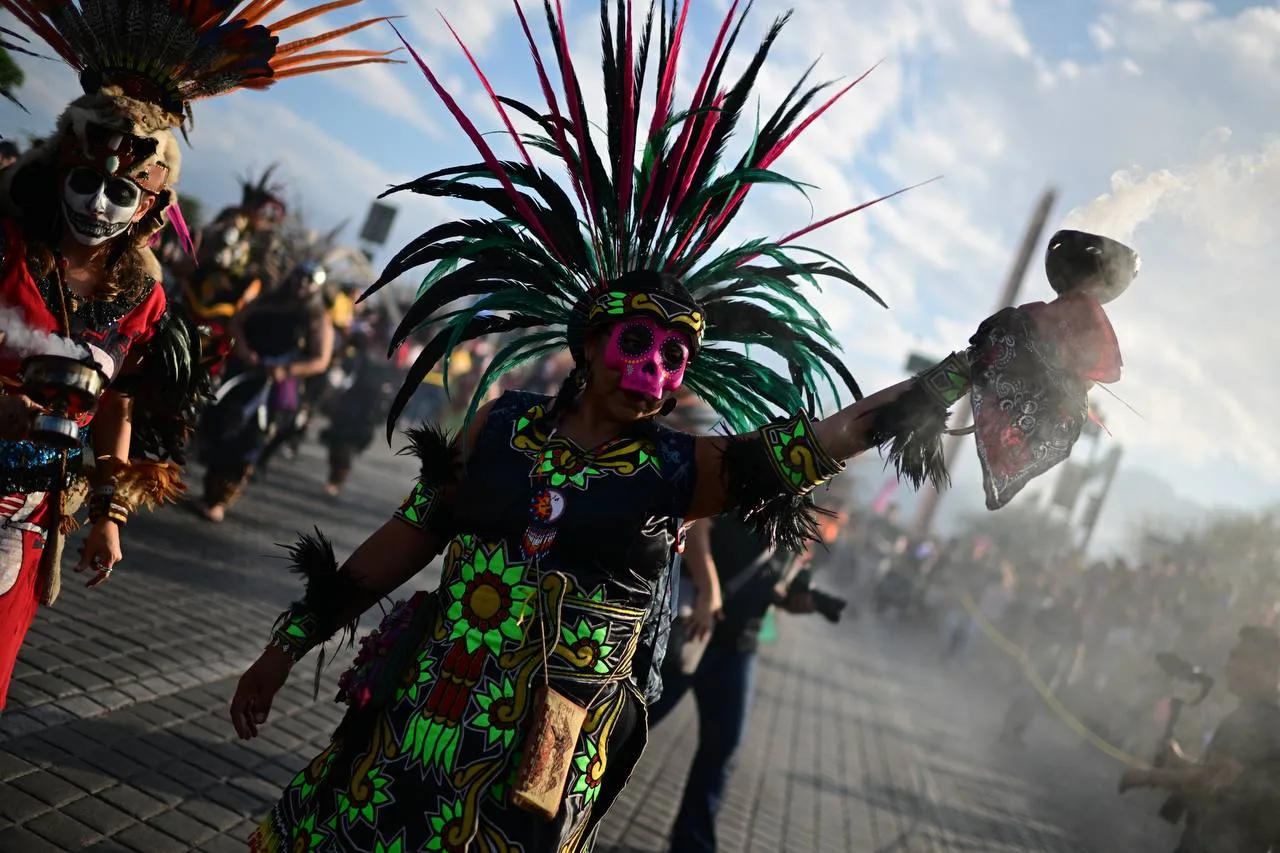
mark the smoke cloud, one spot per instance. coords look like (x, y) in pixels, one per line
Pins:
(22, 340)
(1195, 194)
(1134, 198)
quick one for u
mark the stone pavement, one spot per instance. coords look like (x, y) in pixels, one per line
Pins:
(116, 738)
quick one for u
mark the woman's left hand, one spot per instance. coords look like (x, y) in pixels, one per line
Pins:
(707, 611)
(100, 551)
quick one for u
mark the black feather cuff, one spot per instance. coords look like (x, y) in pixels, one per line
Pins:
(912, 426)
(327, 594)
(440, 463)
(769, 475)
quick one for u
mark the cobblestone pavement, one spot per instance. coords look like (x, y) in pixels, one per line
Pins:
(116, 738)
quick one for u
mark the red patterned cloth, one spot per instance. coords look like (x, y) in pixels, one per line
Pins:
(1032, 367)
(109, 345)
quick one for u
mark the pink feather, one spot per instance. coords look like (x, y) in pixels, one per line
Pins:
(179, 223)
(774, 153)
(822, 223)
(704, 139)
(662, 100)
(572, 100)
(686, 132)
(493, 96)
(785, 142)
(553, 104)
(477, 139)
(628, 124)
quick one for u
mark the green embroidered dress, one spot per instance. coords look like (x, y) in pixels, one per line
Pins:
(559, 573)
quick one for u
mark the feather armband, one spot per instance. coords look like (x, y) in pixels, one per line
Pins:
(910, 428)
(770, 474)
(437, 452)
(328, 596)
(121, 487)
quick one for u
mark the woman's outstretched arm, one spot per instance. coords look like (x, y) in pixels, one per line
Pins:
(788, 458)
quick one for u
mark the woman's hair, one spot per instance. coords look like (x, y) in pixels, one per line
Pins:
(36, 195)
(570, 388)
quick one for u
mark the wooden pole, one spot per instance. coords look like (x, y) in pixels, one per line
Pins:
(962, 415)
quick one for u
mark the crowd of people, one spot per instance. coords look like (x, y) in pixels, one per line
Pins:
(1093, 629)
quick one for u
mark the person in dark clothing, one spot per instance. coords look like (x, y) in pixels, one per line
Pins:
(357, 411)
(1233, 794)
(8, 153)
(752, 578)
(282, 339)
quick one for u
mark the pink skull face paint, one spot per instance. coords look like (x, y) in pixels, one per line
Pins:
(650, 358)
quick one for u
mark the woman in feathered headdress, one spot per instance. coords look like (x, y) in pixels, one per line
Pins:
(505, 710)
(77, 277)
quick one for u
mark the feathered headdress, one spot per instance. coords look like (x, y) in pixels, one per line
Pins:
(13, 43)
(657, 198)
(304, 245)
(142, 63)
(260, 194)
(172, 52)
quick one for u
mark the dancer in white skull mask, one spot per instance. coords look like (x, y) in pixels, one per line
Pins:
(78, 279)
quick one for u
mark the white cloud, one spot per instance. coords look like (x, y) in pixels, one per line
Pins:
(475, 23)
(1101, 36)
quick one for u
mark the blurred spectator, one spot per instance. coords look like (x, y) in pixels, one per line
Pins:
(8, 153)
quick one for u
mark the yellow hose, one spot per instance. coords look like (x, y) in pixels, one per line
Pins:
(1073, 722)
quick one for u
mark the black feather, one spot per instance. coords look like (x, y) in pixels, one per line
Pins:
(170, 387)
(442, 343)
(327, 592)
(785, 520)
(437, 451)
(910, 431)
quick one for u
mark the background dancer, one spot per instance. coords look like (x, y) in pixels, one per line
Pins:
(281, 339)
(78, 279)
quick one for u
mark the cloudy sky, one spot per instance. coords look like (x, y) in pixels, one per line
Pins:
(1169, 107)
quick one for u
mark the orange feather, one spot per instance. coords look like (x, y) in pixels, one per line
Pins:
(302, 44)
(302, 58)
(330, 66)
(308, 14)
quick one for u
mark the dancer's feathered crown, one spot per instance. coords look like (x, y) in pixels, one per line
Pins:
(143, 62)
(172, 52)
(657, 198)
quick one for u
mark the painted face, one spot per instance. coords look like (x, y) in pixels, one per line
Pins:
(650, 358)
(96, 207)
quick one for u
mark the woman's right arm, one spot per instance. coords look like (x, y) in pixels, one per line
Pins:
(235, 329)
(386, 560)
(393, 554)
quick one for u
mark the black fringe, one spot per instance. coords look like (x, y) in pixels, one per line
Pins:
(912, 427)
(437, 451)
(327, 592)
(785, 520)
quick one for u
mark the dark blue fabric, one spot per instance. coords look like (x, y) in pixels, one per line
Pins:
(723, 689)
(620, 531)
